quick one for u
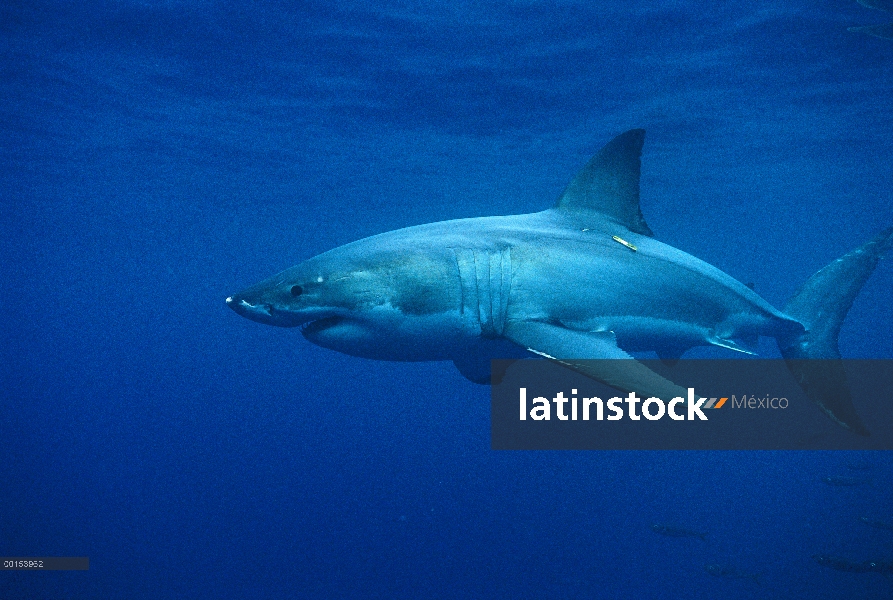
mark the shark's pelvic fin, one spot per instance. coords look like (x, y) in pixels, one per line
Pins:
(474, 363)
(821, 306)
(577, 350)
(474, 369)
(609, 183)
(670, 355)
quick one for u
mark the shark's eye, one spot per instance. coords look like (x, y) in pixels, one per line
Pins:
(296, 290)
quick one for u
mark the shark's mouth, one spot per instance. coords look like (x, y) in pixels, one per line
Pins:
(320, 325)
(263, 312)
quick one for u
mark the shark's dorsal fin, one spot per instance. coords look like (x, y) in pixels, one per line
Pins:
(609, 183)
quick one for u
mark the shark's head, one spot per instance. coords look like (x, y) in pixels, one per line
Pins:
(357, 300)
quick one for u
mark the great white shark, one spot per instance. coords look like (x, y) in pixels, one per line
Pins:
(584, 279)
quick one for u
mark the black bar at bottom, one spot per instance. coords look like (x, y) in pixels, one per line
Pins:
(44, 563)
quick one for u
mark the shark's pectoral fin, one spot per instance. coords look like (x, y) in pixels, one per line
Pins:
(576, 350)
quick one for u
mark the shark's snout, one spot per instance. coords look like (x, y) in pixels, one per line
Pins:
(260, 312)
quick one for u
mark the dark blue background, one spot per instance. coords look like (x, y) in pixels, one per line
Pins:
(157, 157)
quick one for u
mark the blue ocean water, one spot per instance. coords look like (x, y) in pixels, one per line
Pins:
(159, 156)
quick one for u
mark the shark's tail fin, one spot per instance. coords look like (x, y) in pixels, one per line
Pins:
(821, 306)
(826, 297)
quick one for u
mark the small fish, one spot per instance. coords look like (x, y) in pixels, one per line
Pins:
(878, 4)
(885, 32)
(843, 480)
(671, 531)
(729, 572)
(840, 564)
(884, 567)
(860, 466)
(848, 566)
(878, 523)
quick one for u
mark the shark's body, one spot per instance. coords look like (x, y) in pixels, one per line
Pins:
(582, 280)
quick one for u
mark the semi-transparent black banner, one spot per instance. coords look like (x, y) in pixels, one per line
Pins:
(736, 404)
